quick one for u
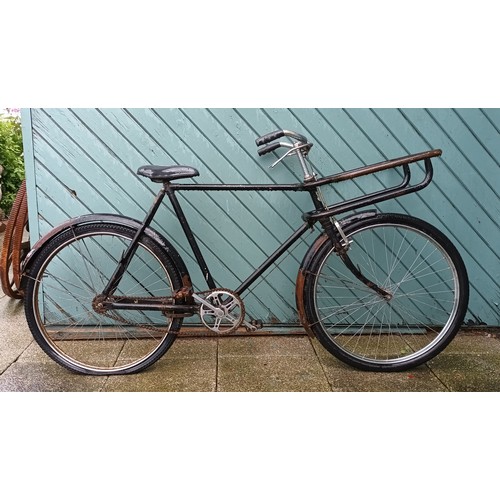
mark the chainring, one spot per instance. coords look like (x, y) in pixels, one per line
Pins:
(228, 315)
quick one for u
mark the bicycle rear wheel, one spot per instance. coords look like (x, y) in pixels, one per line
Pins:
(424, 275)
(65, 278)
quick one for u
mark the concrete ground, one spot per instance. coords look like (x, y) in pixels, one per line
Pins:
(285, 363)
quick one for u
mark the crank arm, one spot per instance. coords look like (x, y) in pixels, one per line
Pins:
(249, 327)
(253, 326)
(207, 304)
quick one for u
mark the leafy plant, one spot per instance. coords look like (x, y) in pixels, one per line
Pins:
(11, 159)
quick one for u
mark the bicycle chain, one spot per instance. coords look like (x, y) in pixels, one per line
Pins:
(124, 321)
(155, 329)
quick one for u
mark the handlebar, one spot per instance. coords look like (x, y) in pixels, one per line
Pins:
(269, 149)
(300, 148)
(278, 134)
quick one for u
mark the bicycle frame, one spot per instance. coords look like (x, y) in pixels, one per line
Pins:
(323, 214)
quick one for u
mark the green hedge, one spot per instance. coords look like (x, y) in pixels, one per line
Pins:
(11, 159)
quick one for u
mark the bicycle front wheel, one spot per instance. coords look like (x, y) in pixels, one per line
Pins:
(62, 313)
(427, 299)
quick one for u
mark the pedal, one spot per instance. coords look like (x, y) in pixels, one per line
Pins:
(253, 325)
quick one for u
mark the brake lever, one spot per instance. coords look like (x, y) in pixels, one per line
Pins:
(293, 149)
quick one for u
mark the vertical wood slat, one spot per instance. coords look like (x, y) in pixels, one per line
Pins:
(84, 160)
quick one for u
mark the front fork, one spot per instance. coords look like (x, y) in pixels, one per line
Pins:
(342, 244)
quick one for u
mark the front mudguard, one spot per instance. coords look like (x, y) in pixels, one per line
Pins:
(126, 222)
(308, 258)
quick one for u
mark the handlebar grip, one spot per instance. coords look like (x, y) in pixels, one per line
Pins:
(268, 149)
(266, 139)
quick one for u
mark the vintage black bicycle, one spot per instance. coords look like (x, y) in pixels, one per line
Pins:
(106, 294)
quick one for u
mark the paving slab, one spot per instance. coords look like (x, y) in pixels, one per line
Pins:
(198, 348)
(15, 336)
(34, 354)
(478, 372)
(190, 365)
(344, 378)
(279, 345)
(170, 374)
(269, 364)
(473, 344)
(40, 376)
(252, 364)
(271, 374)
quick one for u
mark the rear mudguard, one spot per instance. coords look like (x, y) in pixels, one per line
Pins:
(114, 219)
(308, 258)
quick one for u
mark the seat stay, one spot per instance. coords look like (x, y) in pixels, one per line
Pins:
(127, 256)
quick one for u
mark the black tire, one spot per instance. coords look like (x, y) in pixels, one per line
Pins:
(66, 276)
(425, 276)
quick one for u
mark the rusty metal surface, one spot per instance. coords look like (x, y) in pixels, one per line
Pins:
(301, 278)
(377, 167)
(13, 248)
(18, 246)
(299, 296)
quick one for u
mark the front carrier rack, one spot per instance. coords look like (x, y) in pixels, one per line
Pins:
(379, 196)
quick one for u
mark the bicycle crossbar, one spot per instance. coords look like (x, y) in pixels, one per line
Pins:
(313, 185)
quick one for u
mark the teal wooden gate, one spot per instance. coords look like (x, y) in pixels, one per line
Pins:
(84, 160)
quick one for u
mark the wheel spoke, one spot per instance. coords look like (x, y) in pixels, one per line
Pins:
(71, 272)
(363, 328)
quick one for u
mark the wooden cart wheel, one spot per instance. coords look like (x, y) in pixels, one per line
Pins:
(14, 249)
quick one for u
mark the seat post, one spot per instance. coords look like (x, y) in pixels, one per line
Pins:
(189, 235)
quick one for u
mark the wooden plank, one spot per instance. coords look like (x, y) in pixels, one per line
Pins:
(85, 160)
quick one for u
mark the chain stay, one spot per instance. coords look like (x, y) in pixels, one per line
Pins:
(150, 328)
(164, 331)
